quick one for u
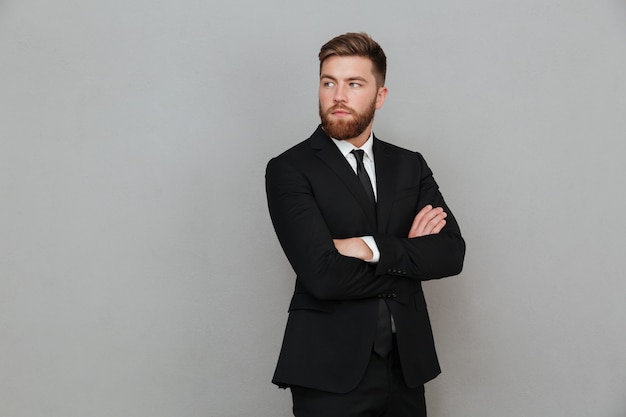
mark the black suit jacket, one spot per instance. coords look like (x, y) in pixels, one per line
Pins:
(314, 196)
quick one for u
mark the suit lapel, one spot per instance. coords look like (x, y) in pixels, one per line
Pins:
(386, 174)
(332, 157)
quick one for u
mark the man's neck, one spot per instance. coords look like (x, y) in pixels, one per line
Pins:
(359, 140)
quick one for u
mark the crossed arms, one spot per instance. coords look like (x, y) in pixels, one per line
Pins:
(428, 221)
(329, 268)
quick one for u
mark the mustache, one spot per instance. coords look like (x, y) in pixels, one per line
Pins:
(339, 107)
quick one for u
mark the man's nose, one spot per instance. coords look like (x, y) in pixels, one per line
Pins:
(340, 94)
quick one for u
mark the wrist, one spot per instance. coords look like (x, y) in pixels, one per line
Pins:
(373, 249)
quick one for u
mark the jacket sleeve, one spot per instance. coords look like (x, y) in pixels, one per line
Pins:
(427, 257)
(308, 243)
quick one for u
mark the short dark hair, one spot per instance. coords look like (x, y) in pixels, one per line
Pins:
(357, 44)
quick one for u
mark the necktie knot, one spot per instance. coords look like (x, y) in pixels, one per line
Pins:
(358, 153)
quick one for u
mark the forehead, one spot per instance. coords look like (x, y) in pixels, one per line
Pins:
(342, 67)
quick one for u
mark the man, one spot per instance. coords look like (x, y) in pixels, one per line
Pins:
(362, 230)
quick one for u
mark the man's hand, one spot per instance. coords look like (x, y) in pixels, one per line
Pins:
(429, 221)
(354, 247)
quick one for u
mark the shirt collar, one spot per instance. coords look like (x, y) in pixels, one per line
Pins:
(346, 147)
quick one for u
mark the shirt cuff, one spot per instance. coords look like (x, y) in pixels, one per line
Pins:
(369, 241)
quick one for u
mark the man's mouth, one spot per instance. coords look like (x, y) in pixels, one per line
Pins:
(340, 111)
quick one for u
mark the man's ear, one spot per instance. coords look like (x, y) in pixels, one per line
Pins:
(381, 96)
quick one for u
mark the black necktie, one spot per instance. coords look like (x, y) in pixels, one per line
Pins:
(363, 177)
(383, 341)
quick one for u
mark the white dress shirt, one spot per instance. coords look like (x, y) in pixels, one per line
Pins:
(346, 149)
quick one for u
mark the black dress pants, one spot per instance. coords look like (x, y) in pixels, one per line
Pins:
(381, 393)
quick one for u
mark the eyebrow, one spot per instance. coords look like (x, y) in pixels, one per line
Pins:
(355, 78)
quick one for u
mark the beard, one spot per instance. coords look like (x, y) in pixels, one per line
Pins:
(346, 129)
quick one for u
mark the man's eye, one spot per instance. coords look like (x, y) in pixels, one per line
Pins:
(355, 85)
(329, 84)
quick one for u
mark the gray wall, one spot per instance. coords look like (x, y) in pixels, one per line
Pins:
(140, 275)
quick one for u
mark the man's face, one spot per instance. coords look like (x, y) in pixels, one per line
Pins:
(349, 97)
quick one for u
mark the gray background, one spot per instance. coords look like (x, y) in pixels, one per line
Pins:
(140, 275)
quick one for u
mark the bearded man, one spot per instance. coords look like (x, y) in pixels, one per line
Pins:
(362, 223)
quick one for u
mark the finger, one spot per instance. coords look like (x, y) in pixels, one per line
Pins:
(428, 221)
(438, 227)
(425, 220)
(416, 221)
(420, 220)
(432, 226)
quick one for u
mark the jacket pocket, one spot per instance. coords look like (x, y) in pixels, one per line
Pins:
(303, 301)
